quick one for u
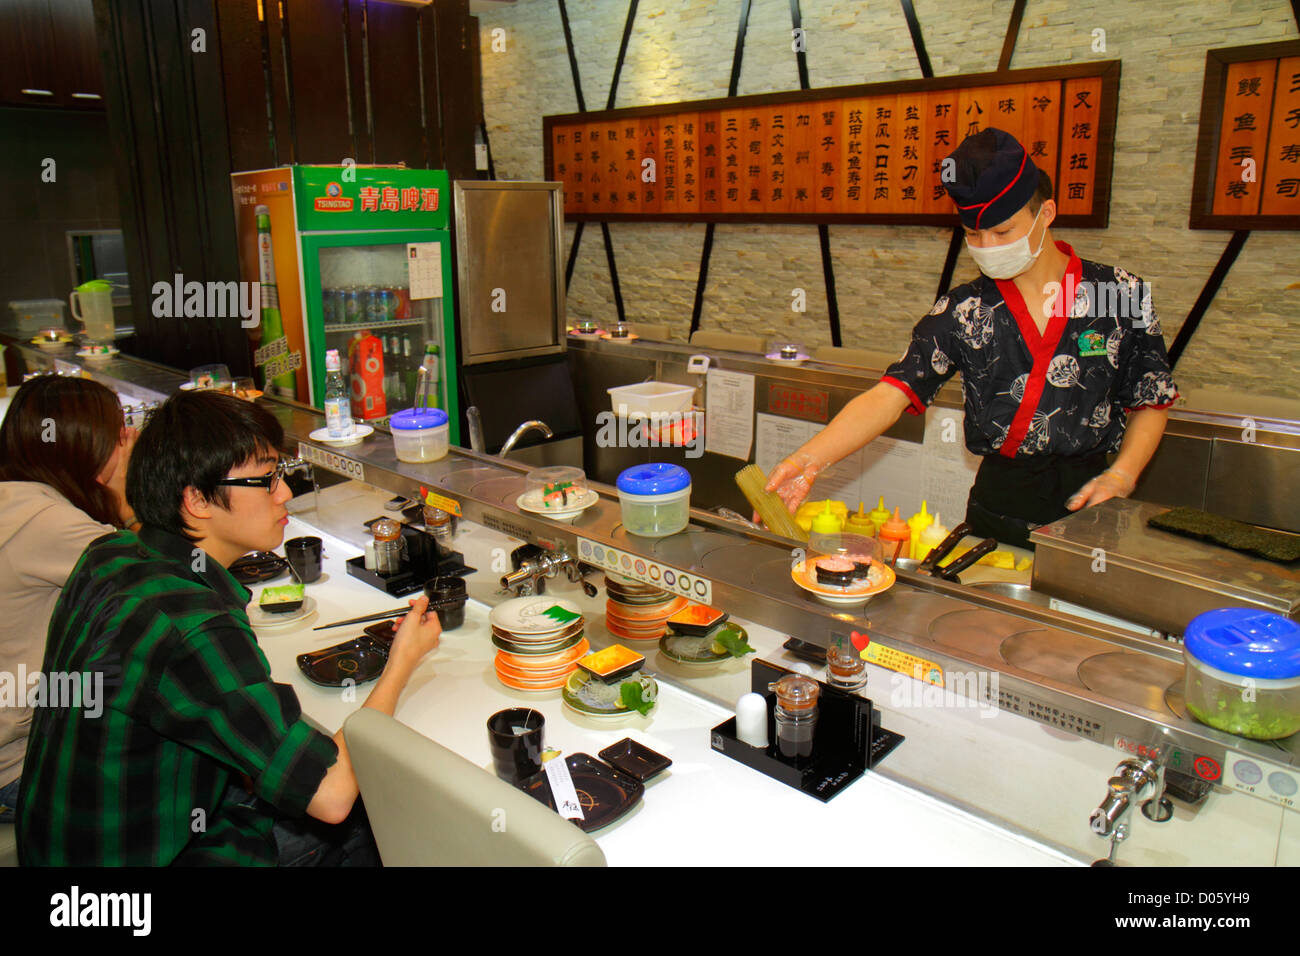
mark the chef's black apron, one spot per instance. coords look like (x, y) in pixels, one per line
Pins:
(1012, 496)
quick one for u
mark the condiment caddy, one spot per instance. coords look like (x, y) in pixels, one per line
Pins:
(844, 737)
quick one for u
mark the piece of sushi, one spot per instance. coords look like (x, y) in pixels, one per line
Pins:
(834, 571)
(282, 599)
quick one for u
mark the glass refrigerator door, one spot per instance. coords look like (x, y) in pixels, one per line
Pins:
(360, 301)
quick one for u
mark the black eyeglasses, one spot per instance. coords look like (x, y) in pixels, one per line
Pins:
(269, 482)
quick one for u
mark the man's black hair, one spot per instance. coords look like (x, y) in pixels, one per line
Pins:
(1042, 193)
(194, 440)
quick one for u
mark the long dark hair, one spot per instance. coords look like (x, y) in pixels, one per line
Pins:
(193, 441)
(61, 431)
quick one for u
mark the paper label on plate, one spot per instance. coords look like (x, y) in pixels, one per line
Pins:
(347, 467)
(562, 789)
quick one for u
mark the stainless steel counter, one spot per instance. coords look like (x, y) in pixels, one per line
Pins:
(1077, 677)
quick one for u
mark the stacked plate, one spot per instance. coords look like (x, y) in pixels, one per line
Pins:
(539, 640)
(636, 611)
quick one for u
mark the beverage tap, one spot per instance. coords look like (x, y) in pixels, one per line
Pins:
(1134, 779)
(533, 565)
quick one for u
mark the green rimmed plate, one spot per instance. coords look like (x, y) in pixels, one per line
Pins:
(699, 650)
(593, 698)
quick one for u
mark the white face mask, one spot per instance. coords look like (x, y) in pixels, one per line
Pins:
(1007, 262)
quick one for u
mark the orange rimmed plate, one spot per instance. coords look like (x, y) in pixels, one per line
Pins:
(881, 578)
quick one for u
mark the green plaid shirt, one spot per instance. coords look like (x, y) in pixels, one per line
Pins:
(188, 705)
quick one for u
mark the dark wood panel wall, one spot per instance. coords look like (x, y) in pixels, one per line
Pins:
(309, 81)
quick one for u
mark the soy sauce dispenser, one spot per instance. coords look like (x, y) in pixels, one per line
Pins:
(796, 714)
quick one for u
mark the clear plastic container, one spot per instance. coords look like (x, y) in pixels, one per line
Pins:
(420, 435)
(650, 398)
(555, 489)
(655, 498)
(1243, 672)
(32, 315)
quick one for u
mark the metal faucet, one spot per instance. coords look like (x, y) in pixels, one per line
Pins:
(519, 433)
(1133, 780)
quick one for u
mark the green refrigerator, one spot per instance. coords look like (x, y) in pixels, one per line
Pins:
(358, 259)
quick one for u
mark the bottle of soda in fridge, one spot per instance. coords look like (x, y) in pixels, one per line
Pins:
(338, 401)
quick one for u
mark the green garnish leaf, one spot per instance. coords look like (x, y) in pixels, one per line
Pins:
(736, 645)
(560, 615)
(630, 693)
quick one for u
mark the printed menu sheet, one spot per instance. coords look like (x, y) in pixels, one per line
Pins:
(424, 264)
(729, 413)
(940, 471)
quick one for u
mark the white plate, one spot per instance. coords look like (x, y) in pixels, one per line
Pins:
(527, 615)
(358, 432)
(259, 618)
(532, 502)
(89, 356)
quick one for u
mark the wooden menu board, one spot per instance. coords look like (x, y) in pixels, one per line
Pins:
(1248, 150)
(864, 154)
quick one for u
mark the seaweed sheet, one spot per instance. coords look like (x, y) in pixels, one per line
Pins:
(1237, 535)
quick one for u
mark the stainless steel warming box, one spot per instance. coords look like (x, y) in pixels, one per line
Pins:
(1108, 558)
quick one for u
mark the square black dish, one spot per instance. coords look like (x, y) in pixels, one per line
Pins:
(359, 660)
(634, 759)
(605, 794)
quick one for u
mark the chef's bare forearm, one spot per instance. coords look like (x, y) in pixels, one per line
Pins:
(1141, 438)
(862, 420)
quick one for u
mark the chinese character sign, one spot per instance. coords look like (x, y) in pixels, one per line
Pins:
(861, 155)
(1248, 154)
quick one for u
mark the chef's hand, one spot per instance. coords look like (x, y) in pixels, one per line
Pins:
(418, 632)
(793, 478)
(1111, 483)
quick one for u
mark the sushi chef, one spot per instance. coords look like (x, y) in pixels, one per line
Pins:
(1062, 359)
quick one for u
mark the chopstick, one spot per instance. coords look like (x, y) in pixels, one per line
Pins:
(395, 612)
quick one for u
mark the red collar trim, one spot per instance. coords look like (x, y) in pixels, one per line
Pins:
(1041, 347)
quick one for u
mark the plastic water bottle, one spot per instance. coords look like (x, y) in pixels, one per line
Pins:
(338, 401)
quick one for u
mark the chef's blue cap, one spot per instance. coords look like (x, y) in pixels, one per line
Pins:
(995, 178)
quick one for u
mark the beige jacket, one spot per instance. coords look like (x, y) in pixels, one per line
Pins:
(42, 536)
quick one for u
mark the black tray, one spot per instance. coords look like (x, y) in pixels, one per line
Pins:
(604, 793)
(258, 566)
(848, 740)
(359, 660)
(426, 558)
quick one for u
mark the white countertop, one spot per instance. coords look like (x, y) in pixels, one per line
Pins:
(706, 809)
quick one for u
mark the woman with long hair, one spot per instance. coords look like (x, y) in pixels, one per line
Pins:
(64, 448)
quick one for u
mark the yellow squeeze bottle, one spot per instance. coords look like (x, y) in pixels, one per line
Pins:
(860, 522)
(918, 523)
(879, 514)
(930, 538)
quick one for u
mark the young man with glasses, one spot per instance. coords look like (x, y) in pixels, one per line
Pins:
(190, 716)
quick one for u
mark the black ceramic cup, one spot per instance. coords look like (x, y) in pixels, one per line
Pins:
(304, 556)
(515, 736)
(448, 589)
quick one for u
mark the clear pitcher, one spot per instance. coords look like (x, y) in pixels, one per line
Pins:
(92, 304)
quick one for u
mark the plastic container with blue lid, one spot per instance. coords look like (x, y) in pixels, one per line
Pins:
(420, 434)
(1243, 672)
(655, 499)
